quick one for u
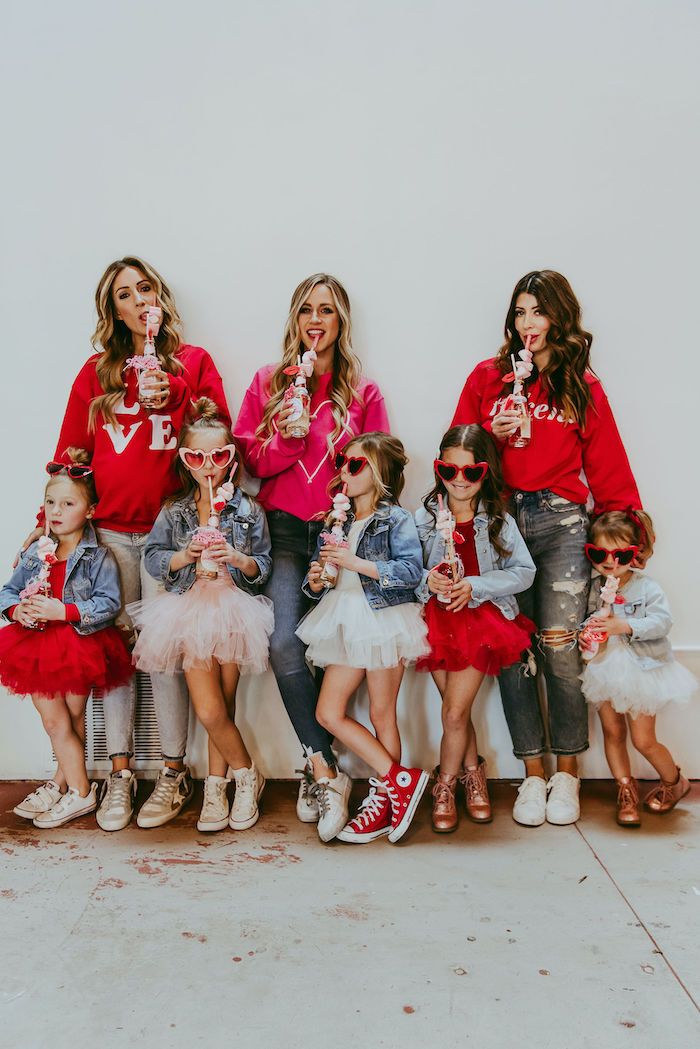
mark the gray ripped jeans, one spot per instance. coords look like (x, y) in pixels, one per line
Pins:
(555, 531)
(170, 697)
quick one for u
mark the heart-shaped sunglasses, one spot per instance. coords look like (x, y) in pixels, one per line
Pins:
(449, 472)
(354, 463)
(73, 470)
(624, 555)
(196, 458)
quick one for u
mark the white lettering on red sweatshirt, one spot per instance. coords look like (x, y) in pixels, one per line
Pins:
(296, 471)
(558, 451)
(133, 462)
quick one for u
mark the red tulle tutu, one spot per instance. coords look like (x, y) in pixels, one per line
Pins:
(478, 637)
(58, 660)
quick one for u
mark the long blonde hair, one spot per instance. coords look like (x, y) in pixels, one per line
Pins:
(346, 365)
(112, 338)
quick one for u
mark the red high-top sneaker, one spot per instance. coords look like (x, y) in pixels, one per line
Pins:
(372, 821)
(405, 788)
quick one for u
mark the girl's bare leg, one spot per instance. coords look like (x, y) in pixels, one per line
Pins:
(57, 716)
(339, 683)
(643, 733)
(615, 741)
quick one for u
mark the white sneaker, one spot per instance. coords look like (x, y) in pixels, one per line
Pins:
(171, 793)
(333, 796)
(530, 804)
(40, 800)
(68, 807)
(214, 814)
(117, 800)
(249, 786)
(562, 801)
(307, 805)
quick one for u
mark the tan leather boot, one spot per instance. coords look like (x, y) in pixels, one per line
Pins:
(445, 817)
(667, 795)
(628, 814)
(476, 793)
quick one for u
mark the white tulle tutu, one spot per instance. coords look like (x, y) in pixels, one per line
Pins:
(212, 620)
(615, 676)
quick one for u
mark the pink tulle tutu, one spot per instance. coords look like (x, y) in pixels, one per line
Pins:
(212, 620)
(478, 637)
(58, 660)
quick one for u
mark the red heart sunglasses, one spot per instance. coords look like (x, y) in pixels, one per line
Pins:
(624, 555)
(354, 463)
(449, 472)
(196, 458)
(73, 470)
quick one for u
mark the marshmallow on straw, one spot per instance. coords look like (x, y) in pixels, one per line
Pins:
(339, 515)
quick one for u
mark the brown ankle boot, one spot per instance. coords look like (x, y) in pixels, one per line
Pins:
(628, 802)
(667, 795)
(444, 808)
(476, 793)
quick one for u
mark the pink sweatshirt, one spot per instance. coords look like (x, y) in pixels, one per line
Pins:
(296, 471)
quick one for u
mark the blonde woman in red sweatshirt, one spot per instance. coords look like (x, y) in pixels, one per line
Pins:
(295, 473)
(571, 430)
(133, 449)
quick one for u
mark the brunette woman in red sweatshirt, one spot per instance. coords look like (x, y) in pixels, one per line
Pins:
(295, 474)
(133, 450)
(572, 430)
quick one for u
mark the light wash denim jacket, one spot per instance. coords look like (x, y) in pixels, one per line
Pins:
(91, 584)
(242, 521)
(499, 577)
(647, 612)
(388, 538)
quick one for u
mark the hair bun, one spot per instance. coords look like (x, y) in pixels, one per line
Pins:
(77, 457)
(205, 408)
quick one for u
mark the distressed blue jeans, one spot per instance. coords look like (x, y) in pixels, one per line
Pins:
(555, 531)
(293, 546)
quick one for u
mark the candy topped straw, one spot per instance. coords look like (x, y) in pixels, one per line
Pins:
(590, 640)
(336, 536)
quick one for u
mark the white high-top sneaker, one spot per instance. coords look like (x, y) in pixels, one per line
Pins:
(117, 800)
(249, 786)
(333, 796)
(214, 814)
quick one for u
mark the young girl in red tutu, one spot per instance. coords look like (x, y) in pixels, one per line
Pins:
(61, 602)
(210, 548)
(475, 561)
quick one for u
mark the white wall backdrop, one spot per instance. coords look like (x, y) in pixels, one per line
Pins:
(428, 153)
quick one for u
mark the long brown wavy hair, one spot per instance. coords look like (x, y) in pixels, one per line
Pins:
(480, 443)
(347, 369)
(203, 414)
(112, 338)
(569, 344)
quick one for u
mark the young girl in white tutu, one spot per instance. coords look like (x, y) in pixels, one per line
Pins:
(630, 671)
(210, 548)
(368, 626)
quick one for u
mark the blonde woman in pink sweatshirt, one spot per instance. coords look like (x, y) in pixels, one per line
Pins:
(295, 473)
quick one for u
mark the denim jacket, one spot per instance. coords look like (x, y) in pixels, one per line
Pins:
(647, 612)
(242, 521)
(91, 583)
(499, 577)
(388, 538)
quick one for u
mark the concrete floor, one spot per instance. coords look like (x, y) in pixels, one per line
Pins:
(496, 936)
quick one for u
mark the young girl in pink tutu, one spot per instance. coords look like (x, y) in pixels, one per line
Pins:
(61, 601)
(630, 671)
(475, 561)
(210, 548)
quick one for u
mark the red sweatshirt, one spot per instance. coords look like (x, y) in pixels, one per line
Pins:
(558, 451)
(133, 462)
(296, 471)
